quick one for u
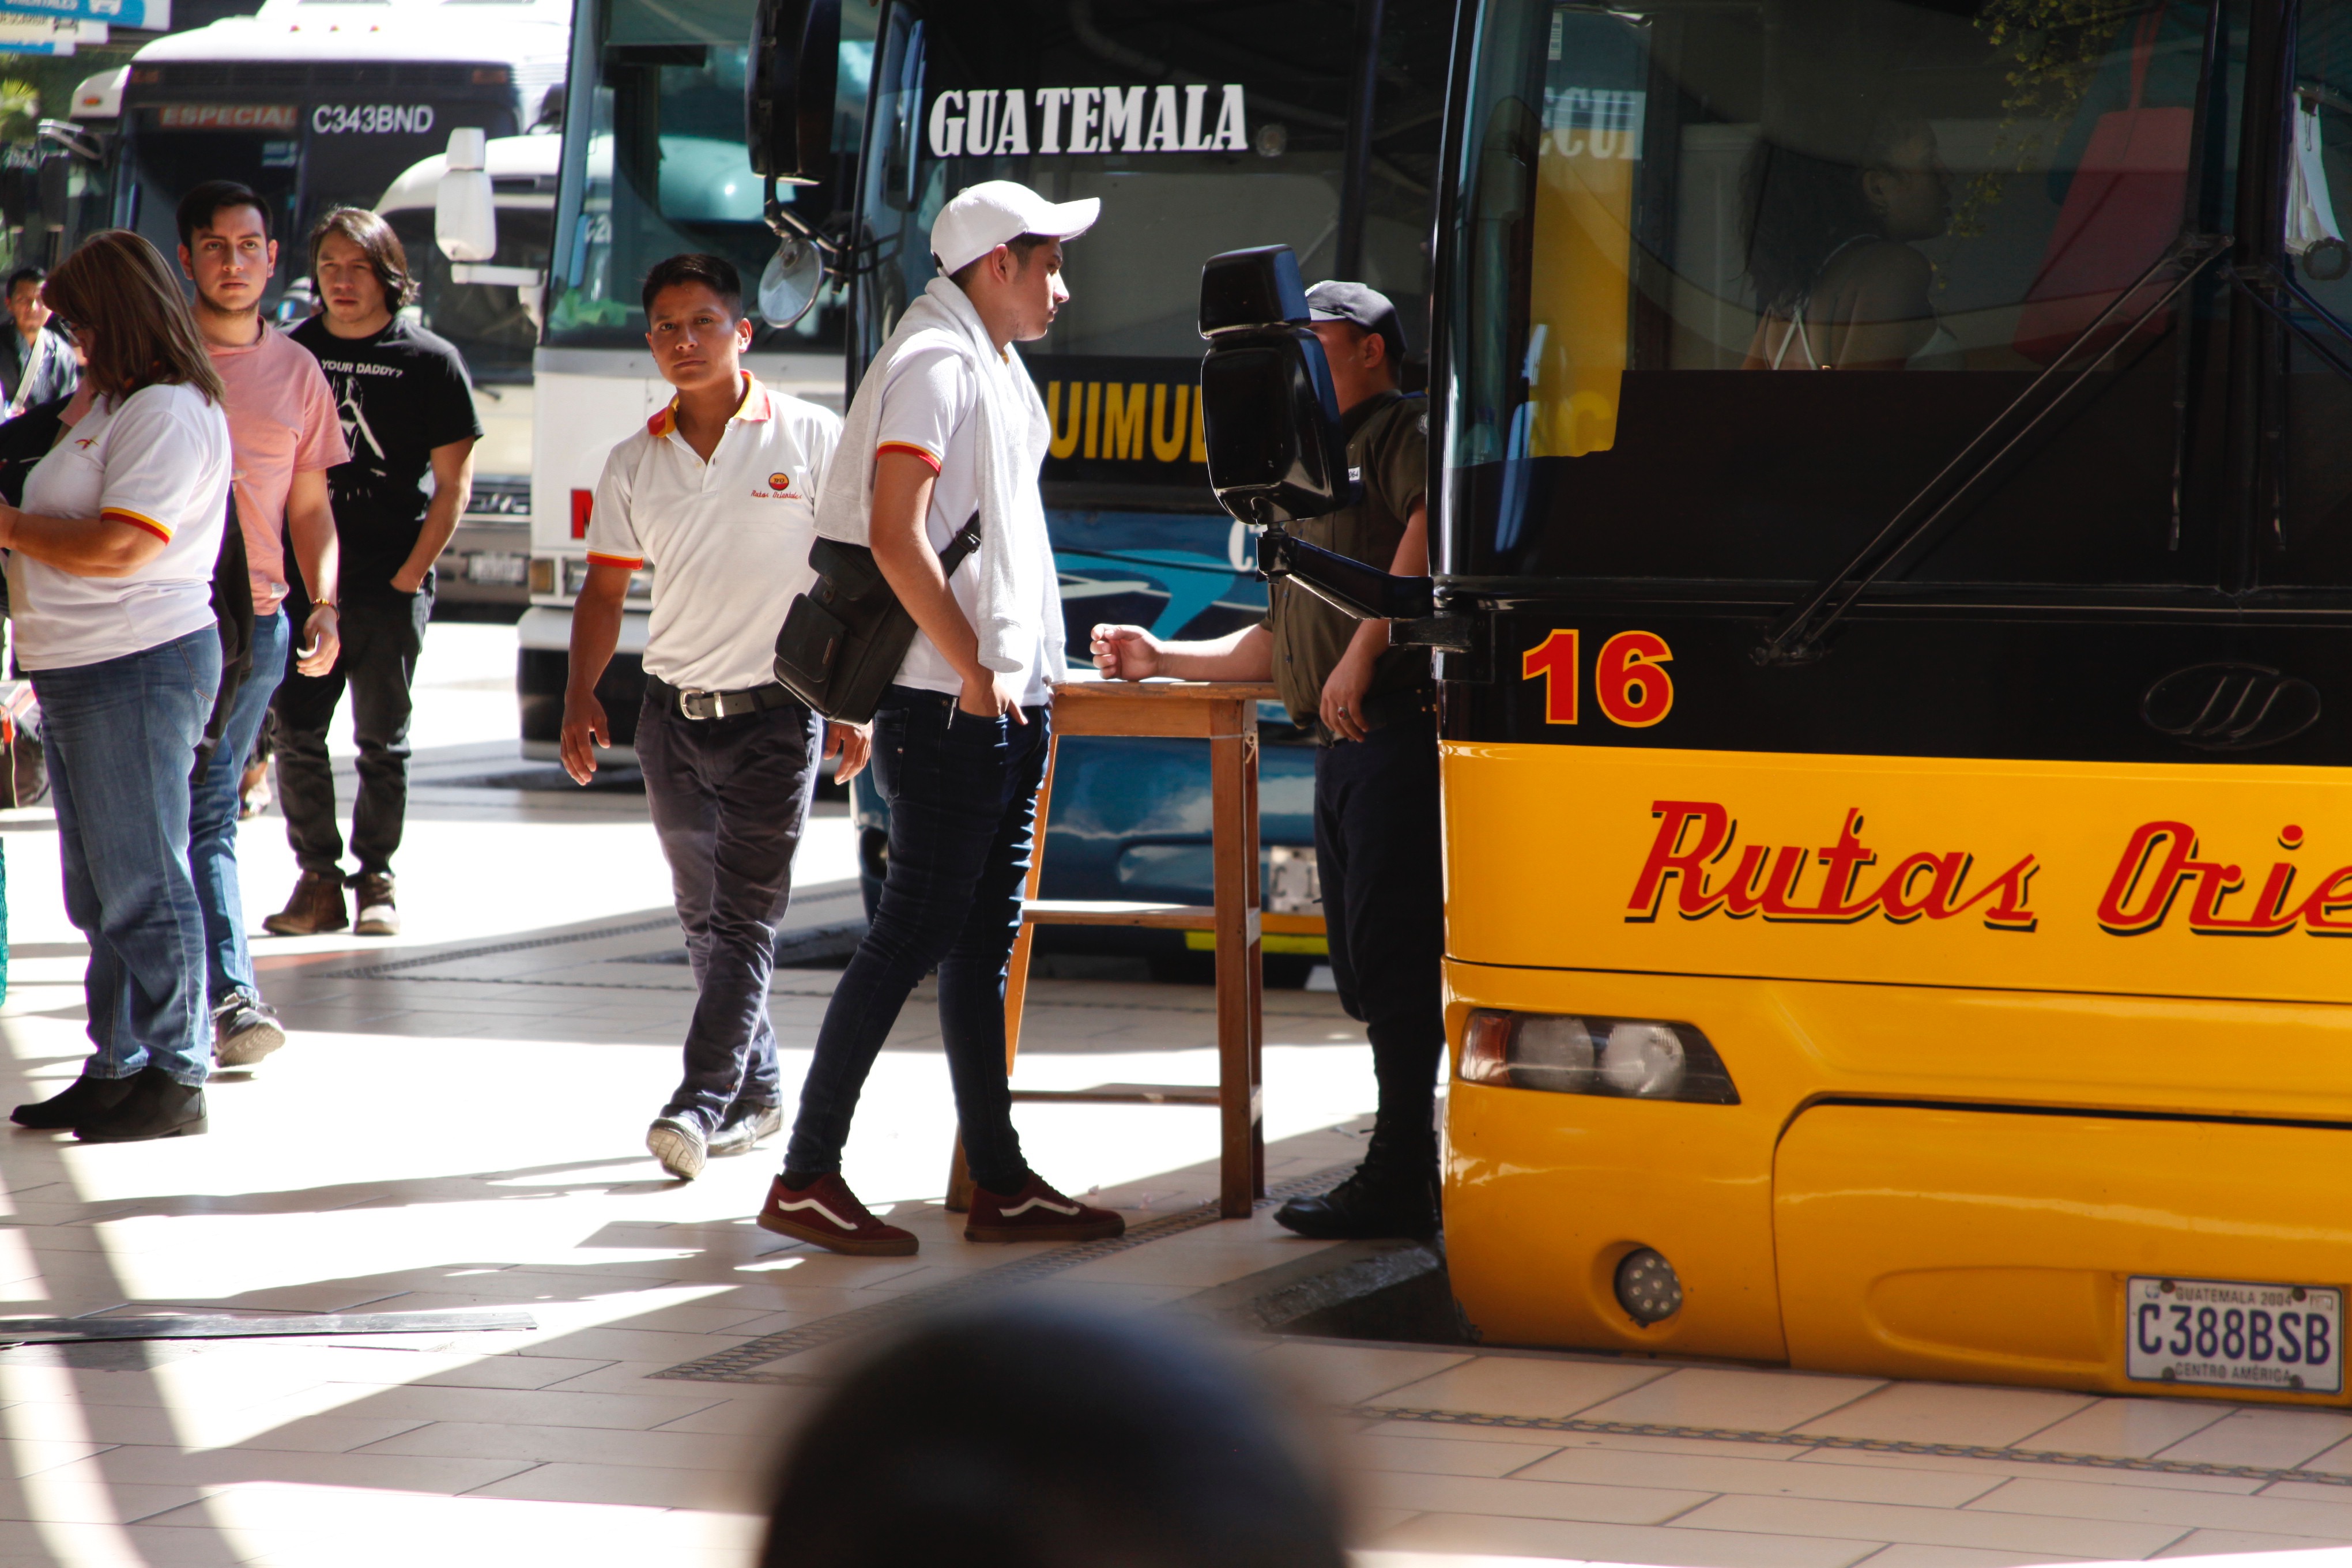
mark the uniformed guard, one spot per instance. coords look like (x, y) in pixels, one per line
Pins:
(1373, 710)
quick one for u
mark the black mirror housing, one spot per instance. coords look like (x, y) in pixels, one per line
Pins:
(789, 91)
(1270, 419)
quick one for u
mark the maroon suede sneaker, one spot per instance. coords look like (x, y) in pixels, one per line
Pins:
(1037, 1213)
(826, 1214)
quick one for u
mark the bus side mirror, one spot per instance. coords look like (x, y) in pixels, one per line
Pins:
(1269, 418)
(464, 214)
(788, 94)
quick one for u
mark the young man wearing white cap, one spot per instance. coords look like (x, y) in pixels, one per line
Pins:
(1376, 804)
(948, 432)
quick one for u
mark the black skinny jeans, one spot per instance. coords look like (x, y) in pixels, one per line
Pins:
(380, 642)
(1377, 848)
(964, 800)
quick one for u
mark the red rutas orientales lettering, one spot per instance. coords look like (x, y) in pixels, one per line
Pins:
(2162, 860)
(1692, 856)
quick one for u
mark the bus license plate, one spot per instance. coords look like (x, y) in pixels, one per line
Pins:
(2235, 1334)
(498, 566)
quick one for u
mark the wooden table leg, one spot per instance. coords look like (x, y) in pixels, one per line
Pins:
(1257, 964)
(1232, 769)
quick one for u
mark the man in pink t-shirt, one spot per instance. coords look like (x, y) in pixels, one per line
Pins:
(284, 435)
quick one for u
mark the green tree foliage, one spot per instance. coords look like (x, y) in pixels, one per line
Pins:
(2054, 48)
(20, 111)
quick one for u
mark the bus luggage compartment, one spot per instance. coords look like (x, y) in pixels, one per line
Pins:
(2000, 1246)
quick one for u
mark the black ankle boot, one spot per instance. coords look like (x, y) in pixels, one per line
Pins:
(84, 1098)
(155, 1108)
(1393, 1194)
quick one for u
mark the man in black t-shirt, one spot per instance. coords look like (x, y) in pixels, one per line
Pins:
(407, 410)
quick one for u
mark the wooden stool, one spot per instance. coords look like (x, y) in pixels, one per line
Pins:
(1223, 713)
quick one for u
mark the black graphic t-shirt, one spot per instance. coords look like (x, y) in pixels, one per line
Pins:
(400, 394)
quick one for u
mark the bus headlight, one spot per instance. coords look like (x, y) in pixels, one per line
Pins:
(1643, 1060)
(1633, 1059)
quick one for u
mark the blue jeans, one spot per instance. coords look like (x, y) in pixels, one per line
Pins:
(963, 798)
(211, 817)
(729, 798)
(120, 738)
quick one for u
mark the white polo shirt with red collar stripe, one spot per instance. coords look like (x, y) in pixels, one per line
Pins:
(727, 540)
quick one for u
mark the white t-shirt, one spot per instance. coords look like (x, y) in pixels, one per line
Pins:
(727, 540)
(158, 462)
(928, 398)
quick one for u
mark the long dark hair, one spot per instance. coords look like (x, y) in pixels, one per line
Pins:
(140, 334)
(1797, 206)
(386, 256)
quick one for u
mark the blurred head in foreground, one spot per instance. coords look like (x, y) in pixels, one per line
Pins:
(1023, 1434)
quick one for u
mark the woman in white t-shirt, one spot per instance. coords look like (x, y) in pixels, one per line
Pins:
(110, 583)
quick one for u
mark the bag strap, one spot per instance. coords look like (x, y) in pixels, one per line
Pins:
(961, 547)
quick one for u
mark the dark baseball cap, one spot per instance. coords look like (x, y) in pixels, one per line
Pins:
(1334, 300)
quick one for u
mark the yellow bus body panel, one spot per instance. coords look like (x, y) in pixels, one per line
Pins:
(1953, 1244)
(1547, 845)
(1906, 1187)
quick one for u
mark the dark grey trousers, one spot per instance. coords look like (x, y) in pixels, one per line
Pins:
(729, 798)
(1377, 847)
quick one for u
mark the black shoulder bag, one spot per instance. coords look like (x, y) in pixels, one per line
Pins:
(844, 638)
(233, 615)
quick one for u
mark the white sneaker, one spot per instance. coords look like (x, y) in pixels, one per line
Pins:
(679, 1142)
(740, 1134)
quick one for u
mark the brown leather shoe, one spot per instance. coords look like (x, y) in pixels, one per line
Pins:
(317, 905)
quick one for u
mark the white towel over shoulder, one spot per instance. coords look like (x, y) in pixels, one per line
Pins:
(1020, 597)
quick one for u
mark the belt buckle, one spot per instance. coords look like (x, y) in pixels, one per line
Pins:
(688, 697)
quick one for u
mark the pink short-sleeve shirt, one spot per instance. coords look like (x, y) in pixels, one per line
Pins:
(281, 422)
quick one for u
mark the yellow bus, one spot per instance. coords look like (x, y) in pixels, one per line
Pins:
(1893, 610)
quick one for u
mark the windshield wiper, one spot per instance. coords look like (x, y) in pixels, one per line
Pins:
(1798, 638)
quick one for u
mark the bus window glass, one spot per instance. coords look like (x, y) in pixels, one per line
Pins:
(1737, 278)
(665, 170)
(1199, 129)
(2312, 544)
(492, 325)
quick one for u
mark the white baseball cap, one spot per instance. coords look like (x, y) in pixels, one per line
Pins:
(988, 215)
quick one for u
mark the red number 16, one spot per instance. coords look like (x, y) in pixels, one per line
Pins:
(1627, 678)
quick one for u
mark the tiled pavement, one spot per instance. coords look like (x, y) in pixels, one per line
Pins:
(458, 1127)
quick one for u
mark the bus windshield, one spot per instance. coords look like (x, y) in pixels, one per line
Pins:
(663, 168)
(1735, 278)
(314, 106)
(1199, 129)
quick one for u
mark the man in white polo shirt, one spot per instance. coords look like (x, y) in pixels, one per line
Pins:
(715, 494)
(948, 429)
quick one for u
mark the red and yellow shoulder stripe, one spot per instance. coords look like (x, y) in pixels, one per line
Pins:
(911, 449)
(138, 519)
